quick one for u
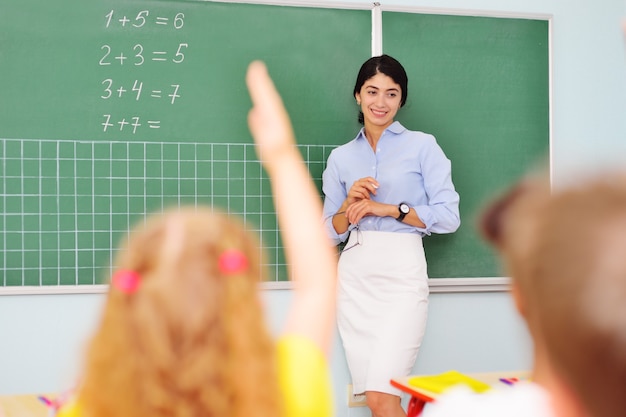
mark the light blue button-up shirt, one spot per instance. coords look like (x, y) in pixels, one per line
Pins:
(409, 166)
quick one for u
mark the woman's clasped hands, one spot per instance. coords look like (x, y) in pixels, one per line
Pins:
(360, 203)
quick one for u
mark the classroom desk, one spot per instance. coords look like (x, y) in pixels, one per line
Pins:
(25, 405)
(419, 396)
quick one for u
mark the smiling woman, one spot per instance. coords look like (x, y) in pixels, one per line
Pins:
(380, 101)
(391, 186)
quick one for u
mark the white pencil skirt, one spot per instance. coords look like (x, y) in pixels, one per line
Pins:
(382, 307)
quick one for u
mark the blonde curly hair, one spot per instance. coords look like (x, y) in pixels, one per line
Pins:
(192, 340)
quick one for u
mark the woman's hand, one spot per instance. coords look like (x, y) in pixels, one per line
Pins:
(362, 189)
(366, 207)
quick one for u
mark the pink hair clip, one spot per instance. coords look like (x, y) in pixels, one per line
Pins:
(126, 281)
(232, 261)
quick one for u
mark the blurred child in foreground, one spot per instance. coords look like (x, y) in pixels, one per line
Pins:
(183, 331)
(565, 251)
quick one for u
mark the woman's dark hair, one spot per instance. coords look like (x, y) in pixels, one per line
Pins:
(386, 65)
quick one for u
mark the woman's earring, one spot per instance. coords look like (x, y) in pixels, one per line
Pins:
(358, 102)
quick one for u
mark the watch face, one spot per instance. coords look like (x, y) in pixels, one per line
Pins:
(404, 208)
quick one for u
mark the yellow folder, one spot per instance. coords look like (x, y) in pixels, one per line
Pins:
(441, 382)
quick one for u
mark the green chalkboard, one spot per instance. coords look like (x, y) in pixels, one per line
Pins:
(481, 86)
(113, 109)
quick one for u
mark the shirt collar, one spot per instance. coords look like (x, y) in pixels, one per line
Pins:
(395, 128)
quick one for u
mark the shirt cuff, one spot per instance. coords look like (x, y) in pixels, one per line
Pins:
(426, 216)
(332, 233)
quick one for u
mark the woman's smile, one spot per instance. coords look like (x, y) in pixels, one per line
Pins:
(379, 98)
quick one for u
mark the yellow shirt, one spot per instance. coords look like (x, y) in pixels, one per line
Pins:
(303, 377)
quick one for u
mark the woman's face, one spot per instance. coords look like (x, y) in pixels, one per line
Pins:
(380, 100)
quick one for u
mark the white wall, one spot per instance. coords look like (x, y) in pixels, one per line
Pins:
(42, 338)
(41, 335)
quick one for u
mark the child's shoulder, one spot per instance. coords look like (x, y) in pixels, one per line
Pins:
(522, 400)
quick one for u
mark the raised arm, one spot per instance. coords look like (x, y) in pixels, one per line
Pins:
(298, 206)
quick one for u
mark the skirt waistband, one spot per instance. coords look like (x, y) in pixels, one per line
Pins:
(383, 238)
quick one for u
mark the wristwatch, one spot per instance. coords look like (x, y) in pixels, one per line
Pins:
(404, 210)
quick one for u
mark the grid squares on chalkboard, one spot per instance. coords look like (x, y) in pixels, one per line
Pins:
(66, 205)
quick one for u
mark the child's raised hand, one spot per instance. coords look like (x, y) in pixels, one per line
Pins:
(268, 120)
